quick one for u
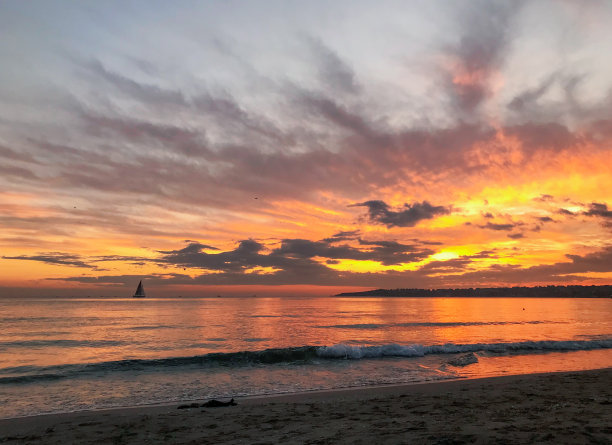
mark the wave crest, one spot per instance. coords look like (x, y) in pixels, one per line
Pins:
(291, 356)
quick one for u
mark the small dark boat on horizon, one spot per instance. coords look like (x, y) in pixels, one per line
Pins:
(140, 293)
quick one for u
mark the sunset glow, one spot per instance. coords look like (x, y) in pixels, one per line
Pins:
(274, 150)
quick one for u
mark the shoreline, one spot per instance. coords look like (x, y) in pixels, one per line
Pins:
(579, 401)
(301, 396)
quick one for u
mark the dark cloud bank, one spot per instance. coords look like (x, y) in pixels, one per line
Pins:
(295, 262)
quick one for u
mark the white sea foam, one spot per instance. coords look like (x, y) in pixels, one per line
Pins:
(416, 350)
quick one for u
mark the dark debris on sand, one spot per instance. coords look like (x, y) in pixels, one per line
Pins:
(210, 404)
(567, 408)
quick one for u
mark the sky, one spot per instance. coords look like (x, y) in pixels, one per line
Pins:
(303, 148)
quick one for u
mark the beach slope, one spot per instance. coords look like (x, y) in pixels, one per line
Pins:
(573, 407)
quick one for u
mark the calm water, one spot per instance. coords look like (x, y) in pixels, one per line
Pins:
(71, 354)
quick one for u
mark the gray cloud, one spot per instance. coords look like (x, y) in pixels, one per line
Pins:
(598, 209)
(527, 100)
(67, 259)
(544, 198)
(10, 154)
(16, 172)
(187, 142)
(545, 219)
(293, 262)
(332, 112)
(493, 226)
(533, 105)
(566, 212)
(388, 253)
(333, 71)
(600, 261)
(146, 93)
(343, 236)
(484, 38)
(175, 162)
(192, 247)
(59, 258)
(293, 255)
(595, 209)
(546, 136)
(407, 216)
(450, 272)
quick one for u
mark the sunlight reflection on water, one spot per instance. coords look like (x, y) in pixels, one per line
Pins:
(39, 333)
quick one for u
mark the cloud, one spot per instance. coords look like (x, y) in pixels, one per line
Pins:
(343, 236)
(181, 140)
(480, 51)
(293, 255)
(595, 209)
(302, 270)
(385, 252)
(69, 259)
(246, 255)
(192, 247)
(150, 145)
(600, 261)
(407, 216)
(333, 71)
(145, 93)
(58, 258)
(9, 153)
(544, 198)
(332, 112)
(222, 112)
(451, 266)
(528, 99)
(493, 226)
(543, 136)
(557, 97)
(174, 161)
(11, 164)
(16, 172)
(567, 271)
(566, 212)
(295, 261)
(598, 209)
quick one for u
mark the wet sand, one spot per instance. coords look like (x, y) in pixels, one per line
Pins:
(572, 407)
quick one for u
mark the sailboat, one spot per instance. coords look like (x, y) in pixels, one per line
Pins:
(139, 291)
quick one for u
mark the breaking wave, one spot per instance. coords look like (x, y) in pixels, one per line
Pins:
(395, 350)
(291, 356)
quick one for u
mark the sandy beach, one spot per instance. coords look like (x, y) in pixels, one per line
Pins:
(573, 407)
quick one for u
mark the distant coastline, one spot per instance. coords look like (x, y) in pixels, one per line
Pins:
(604, 291)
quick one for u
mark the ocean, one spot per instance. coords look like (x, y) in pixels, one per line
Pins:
(62, 355)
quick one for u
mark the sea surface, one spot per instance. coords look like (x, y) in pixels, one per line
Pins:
(61, 355)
